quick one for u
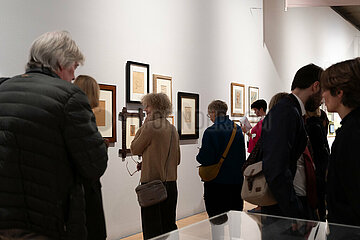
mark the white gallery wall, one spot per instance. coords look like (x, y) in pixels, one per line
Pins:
(204, 45)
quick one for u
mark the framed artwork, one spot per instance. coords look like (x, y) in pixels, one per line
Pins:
(171, 119)
(331, 129)
(237, 99)
(253, 96)
(163, 84)
(131, 122)
(188, 115)
(105, 113)
(137, 81)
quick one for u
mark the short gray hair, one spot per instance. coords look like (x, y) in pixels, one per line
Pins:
(54, 49)
(218, 107)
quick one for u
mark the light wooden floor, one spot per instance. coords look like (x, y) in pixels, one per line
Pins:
(187, 221)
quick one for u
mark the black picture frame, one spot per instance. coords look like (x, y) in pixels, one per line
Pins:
(124, 115)
(188, 115)
(133, 95)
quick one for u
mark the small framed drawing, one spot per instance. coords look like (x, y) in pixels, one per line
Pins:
(253, 96)
(105, 113)
(188, 115)
(137, 81)
(237, 100)
(171, 119)
(131, 122)
(331, 129)
(162, 84)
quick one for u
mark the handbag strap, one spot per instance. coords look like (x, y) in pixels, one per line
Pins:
(168, 154)
(254, 156)
(229, 144)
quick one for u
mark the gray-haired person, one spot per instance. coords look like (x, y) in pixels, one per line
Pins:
(48, 143)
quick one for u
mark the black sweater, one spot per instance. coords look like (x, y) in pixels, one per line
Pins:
(343, 180)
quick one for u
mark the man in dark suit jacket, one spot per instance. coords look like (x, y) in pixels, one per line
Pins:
(285, 139)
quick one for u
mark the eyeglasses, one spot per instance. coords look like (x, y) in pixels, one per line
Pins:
(127, 168)
(208, 115)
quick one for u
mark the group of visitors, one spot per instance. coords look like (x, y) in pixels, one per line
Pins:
(52, 155)
(295, 155)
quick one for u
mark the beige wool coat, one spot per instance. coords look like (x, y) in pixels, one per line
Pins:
(152, 141)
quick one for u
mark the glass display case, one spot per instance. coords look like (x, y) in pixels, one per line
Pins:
(236, 225)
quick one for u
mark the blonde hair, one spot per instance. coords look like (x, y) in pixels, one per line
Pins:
(90, 87)
(54, 49)
(159, 102)
(276, 98)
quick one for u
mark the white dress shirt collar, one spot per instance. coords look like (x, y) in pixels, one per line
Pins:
(303, 111)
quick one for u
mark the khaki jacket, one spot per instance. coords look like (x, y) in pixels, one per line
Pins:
(152, 141)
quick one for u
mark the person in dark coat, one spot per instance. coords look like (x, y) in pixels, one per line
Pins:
(284, 141)
(224, 192)
(49, 142)
(341, 85)
(95, 218)
(321, 153)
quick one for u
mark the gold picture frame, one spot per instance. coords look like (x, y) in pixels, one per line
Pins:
(171, 120)
(253, 96)
(237, 99)
(162, 84)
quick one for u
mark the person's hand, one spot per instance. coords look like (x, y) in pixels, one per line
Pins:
(138, 166)
(243, 128)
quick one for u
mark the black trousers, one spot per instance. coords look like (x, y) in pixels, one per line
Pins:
(220, 198)
(95, 218)
(160, 218)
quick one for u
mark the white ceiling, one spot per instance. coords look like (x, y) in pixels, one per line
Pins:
(320, 3)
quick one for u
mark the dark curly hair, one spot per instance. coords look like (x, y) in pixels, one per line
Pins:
(258, 104)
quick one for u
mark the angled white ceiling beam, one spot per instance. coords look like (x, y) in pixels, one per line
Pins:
(320, 3)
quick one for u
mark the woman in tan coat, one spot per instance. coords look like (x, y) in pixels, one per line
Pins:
(158, 142)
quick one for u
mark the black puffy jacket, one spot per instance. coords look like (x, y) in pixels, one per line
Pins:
(48, 135)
